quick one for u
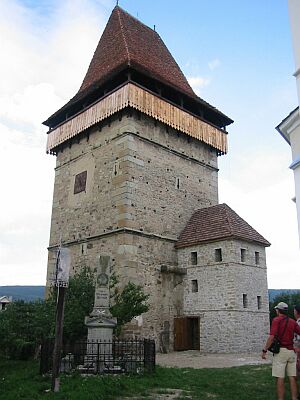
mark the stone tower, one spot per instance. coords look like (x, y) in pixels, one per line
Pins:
(136, 154)
(226, 284)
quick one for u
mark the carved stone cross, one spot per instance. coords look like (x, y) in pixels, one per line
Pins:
(101, 304)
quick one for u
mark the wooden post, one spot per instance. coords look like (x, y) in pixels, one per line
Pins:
(58, 338)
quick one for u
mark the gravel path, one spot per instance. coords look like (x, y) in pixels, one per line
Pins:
(194, 359)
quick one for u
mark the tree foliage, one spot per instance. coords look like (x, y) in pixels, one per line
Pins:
(78, 304)
(127, 304)
(291, 299)
(25, 325)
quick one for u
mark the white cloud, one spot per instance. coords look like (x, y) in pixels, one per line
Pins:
(214, 64)
(198, 82)
(44, 57)
(260, 189)
(43, 61)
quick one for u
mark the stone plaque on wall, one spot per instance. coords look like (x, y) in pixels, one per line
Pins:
(80, 182)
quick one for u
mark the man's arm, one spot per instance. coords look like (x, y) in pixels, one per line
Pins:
(297, 328)
(267, 345)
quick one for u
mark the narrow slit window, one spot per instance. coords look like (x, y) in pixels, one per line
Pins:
(257, 260)
(258, 302)
(177, 183)
(243, 255)
(245, 301)
(218, 255)
(194, 286)
(194, 258)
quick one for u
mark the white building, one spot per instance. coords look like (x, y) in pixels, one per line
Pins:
(4, 301)
(289, 128)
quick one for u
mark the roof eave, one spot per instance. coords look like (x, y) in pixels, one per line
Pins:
(287, 123)
(264, 243)
(121, 68)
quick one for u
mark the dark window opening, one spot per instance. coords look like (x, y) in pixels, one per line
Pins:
(194, 258)
(245, 301)
(194, 286)
(256, 258)
(243, 255)
(218, 255)
(258, 302)
(177, 183)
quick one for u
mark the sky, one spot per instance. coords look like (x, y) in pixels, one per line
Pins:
(237, 55)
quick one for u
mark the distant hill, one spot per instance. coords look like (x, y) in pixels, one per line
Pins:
(31, 293)
(276, 292)
(26, 293)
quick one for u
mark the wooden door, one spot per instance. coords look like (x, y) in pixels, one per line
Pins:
(181, 334)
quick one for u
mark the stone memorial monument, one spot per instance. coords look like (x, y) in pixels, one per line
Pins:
(100, 322)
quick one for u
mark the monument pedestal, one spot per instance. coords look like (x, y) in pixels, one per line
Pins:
(100, 323)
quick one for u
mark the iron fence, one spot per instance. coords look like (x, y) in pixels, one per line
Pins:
(102, 357)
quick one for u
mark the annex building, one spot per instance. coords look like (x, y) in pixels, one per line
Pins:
(136, 178)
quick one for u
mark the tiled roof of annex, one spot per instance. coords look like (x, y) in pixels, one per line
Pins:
(216, 223)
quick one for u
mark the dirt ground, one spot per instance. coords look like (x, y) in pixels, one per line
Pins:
(194, 359)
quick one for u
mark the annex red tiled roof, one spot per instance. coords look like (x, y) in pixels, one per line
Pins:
(216, 223)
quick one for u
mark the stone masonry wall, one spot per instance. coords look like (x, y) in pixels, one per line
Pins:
(227, 299)
(133, 207)
(133, 167)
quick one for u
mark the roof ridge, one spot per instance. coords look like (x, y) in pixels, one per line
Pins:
(123, 34)
(136, 19)
(225, 206)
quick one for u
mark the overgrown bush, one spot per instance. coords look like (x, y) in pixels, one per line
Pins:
(24, 326)
(19, 349)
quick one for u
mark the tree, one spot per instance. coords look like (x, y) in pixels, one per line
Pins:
(25, 325)
(289, 298)
(78, 304)
(129, 303)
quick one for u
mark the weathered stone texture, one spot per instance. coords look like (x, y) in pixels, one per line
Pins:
(225, 315)
(143, 184)
(132, 166)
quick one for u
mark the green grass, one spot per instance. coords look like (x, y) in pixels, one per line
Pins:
(20, 380)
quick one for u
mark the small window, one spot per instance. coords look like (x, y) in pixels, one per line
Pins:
(194, 286)
(258, 302)
(194, 257)
(177, 184)
(257, 258)
(80, 182)
(243, 255)
(245, 301)
(83, 249)
(218, 255)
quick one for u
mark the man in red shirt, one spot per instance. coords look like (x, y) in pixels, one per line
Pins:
(285, 361)
(297, 338)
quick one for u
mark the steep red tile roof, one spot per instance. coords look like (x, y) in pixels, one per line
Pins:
(128, 43)
(216, 223)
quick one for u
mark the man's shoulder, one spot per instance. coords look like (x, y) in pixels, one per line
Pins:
(278, 318)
